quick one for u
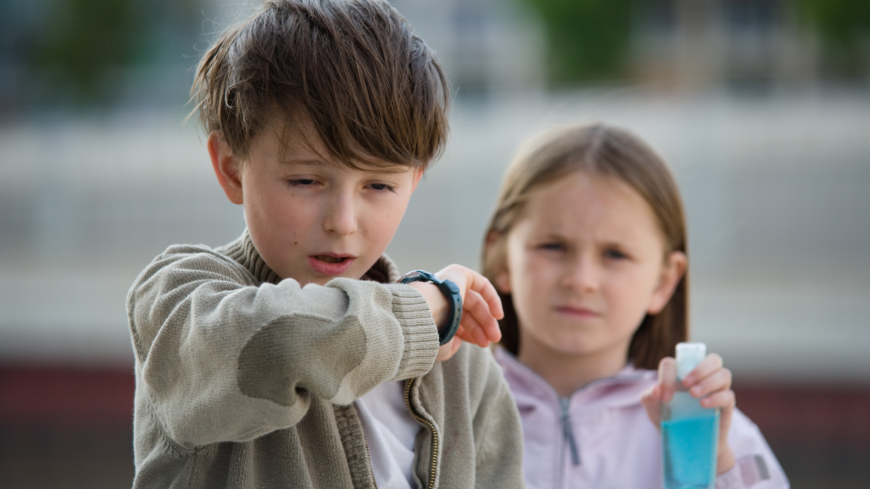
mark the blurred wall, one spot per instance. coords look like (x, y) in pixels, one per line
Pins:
(99, 176)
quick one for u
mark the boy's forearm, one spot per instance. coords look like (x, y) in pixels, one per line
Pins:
(225, 361)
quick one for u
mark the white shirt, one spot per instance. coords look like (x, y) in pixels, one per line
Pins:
(390, 433)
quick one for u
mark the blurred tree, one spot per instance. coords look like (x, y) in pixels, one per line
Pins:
(78, 51)
(844, 27)
(587, 40)
(83, 39)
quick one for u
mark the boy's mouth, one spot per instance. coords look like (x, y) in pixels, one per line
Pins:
(332, 265)
(331, 259)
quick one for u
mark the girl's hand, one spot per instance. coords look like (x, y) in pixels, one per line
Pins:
(481, 308)
(709, 382)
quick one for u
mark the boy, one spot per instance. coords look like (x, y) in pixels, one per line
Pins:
(290, 357)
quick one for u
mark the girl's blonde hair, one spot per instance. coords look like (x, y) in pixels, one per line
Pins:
(607, 151)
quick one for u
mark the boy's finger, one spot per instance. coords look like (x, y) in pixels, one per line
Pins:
(474, 331)
(482, 314)
(464, 334)
(482, 286)
(717, 381)
(667, 378)
(712, 363)
(488, 323)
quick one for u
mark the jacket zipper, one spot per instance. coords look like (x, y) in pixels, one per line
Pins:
(369, 454)
(431, 426)
(567, 431)
(374, 481)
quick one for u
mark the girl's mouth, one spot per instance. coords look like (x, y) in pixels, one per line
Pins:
(577, 312)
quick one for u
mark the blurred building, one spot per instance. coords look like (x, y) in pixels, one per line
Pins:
(483, 44)
(697, 44)
(94, 184)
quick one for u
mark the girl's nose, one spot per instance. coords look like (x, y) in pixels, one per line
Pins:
(582, 274)
(341, 215)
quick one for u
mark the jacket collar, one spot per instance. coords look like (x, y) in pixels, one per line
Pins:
(243, 251)
(621, 390)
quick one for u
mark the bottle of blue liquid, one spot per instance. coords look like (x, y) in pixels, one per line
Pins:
(690, 433)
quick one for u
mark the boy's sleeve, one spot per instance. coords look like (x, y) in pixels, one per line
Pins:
(222, 358)
(756, 467)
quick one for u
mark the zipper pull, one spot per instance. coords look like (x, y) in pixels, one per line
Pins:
(567, 432)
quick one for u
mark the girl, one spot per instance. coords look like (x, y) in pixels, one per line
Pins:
(587, 248)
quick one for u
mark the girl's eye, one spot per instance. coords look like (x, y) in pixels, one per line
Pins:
(615, 254)
(382, 187)
(552, 246)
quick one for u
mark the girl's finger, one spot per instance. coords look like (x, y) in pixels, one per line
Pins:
(719, 380)
(667, 378)
(712, 363)
(651, 401)
(724, 400)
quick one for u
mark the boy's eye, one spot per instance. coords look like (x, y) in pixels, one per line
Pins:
(301, 182)
(382, 187)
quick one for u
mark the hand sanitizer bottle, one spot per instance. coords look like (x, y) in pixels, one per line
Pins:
(690, 433)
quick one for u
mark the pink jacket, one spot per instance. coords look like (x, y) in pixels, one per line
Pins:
(614, 443)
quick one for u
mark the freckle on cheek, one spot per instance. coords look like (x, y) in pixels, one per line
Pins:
(296, 242)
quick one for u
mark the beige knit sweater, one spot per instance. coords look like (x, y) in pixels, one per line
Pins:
(247, 381)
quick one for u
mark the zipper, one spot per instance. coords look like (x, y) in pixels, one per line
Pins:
(374, 481)
(431, 426)
(567, 431)
(368, 453)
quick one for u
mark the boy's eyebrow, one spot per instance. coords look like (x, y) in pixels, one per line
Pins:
(392, 168)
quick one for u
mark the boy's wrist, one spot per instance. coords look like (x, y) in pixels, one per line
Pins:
(450, 294)
(438, 305)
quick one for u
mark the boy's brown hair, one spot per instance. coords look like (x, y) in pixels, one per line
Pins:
(354, 69)
(607, 151)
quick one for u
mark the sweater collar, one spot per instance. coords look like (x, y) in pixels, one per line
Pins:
(622, 389)
(244, 252)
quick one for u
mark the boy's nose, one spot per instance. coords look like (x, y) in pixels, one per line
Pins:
(340, 215)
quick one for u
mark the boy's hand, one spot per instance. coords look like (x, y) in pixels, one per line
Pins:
(481, 308)
(709, 382)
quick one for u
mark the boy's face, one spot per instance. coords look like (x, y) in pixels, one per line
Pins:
(312, 218)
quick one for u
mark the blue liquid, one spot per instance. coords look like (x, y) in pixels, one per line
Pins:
(690, 452)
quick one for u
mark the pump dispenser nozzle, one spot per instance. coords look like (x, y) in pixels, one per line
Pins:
(689, 355)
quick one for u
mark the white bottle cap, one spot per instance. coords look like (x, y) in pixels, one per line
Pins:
(689, 355)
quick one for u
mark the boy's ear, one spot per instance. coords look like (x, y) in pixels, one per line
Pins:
(226, 167)
(672, 272)
(418, 173)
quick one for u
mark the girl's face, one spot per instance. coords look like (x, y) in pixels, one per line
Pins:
(585, 263)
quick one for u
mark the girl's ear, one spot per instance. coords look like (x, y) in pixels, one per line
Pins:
(672, 272)
(226, 167)
(503, 277)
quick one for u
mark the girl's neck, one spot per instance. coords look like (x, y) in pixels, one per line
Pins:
(568, 372)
